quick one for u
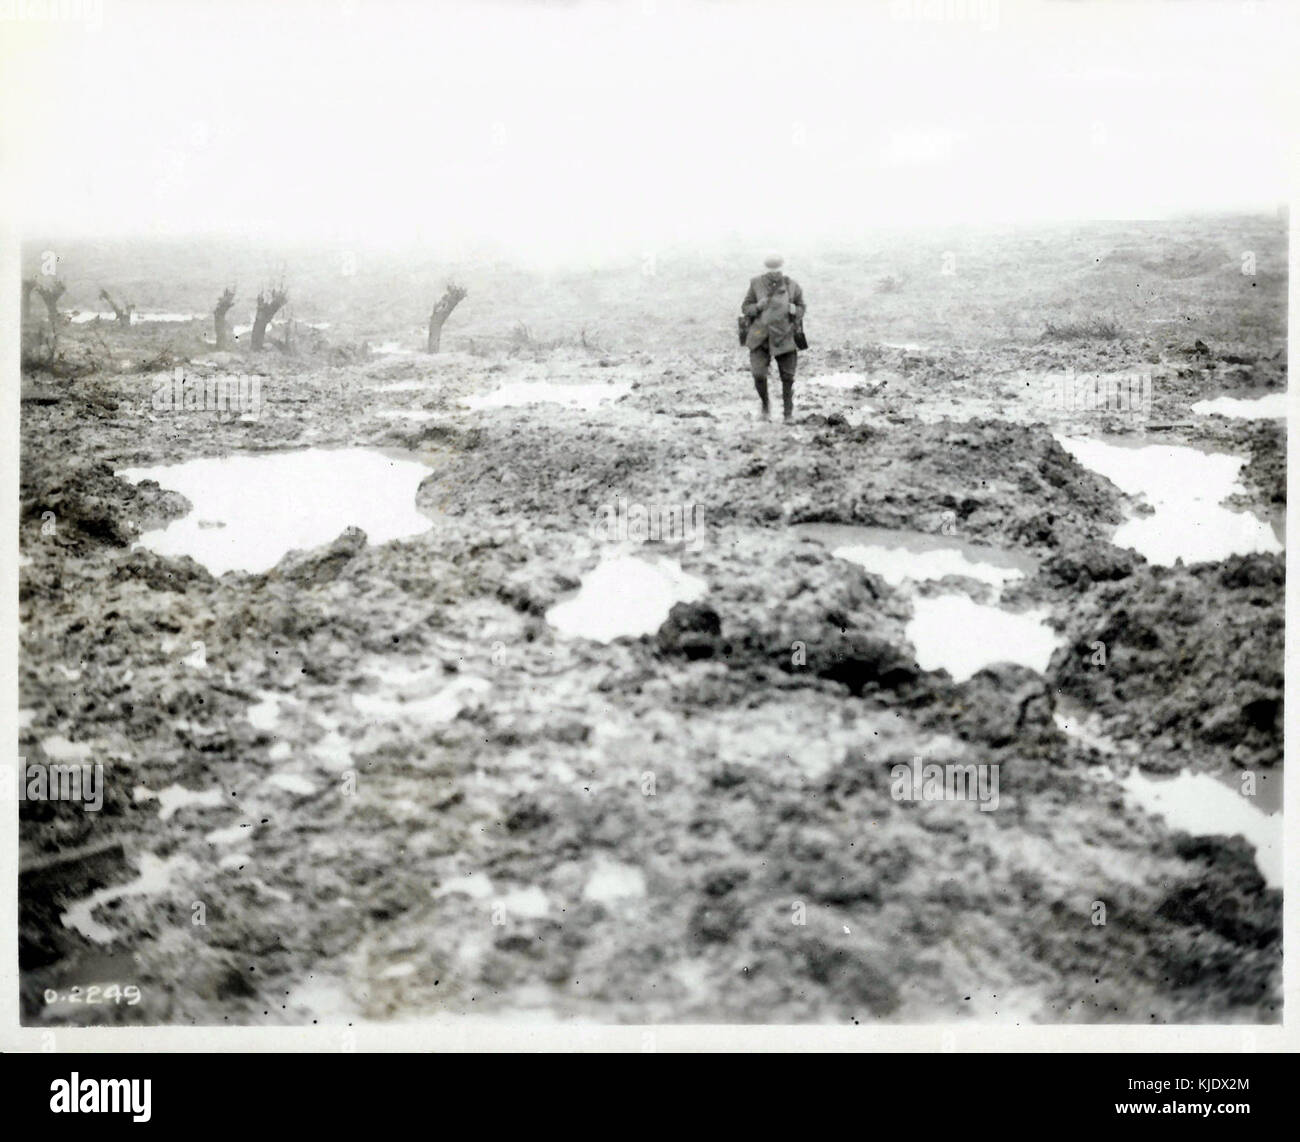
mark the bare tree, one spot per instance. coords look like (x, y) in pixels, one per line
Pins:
(49, 337)
(267, 307)
(50, 294)
(29, 285)
(224, 304)
(123, 315)
(441, 311)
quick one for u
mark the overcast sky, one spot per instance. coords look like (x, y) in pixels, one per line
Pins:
(563, 129)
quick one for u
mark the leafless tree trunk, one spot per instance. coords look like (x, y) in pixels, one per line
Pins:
(267, 308)
(224, 304)
(441, 311)
(123, 316)
(50, 295)
(29, 285)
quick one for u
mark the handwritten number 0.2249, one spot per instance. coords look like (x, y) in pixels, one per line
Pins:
(111, 993)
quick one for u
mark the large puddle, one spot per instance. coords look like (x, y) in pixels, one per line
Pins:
(961, 636)
(898, 556)
(1204, 806)
(1260, 408)
(155, 876)
(949, 632)
(519, 393)
(625, 597)
(1186, 487)
(250, 510)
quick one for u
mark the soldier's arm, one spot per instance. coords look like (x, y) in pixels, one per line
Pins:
(749, 307)
(796, 299)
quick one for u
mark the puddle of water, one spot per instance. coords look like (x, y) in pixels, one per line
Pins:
(1203, 804)
(898, 556)
(519, 393)
(155, 873)
(1199, 804)
(403, 387)
(167, 317)
(625, 597)
(1266, 799)
(1186, 487)
(1273, 405)
(276, 502)
(393, 349)
(1086, 727)
(954, 633)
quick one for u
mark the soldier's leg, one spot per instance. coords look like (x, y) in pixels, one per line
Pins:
(758, 362)
(787, 363)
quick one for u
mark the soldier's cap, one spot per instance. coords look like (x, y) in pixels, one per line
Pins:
(774, 261)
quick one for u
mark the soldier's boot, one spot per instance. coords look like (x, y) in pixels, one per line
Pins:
(760, 383)
(787, 399)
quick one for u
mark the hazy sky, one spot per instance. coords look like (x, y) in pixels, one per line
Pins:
(561, 128)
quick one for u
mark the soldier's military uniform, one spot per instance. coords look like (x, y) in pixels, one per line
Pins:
(773, 304)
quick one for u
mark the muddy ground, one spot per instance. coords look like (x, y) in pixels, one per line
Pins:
(632, 832)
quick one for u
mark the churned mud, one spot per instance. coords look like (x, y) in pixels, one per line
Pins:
(382, 773)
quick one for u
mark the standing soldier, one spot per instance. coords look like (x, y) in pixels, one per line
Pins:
(773, 310)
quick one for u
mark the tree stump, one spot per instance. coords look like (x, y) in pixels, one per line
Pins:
(224, 304)
(441, 311)
(267, 307)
